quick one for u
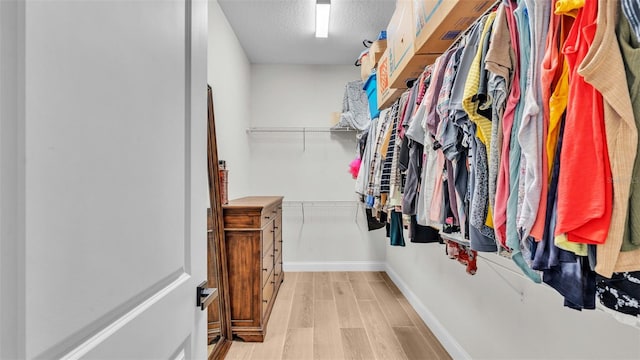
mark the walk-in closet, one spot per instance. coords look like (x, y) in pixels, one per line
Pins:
(319, 179)
(467, 244)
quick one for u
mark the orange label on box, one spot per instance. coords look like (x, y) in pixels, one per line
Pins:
(383, 74)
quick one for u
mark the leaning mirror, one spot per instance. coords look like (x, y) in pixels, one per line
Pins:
(219, 320)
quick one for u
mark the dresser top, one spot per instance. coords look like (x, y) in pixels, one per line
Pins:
(253, 202)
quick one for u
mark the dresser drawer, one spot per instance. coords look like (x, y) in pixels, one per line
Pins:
(278, 244)
(278, 268)
(267, 292)
(267, 267)
(277, 226)
(267, 240)
(269, 214)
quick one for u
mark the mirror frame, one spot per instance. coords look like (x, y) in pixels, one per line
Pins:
(216, 249)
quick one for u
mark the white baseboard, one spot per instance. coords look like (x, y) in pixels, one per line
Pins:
(304, 266)
(446, 339)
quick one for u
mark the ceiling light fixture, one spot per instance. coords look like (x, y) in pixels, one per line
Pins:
(323, 9)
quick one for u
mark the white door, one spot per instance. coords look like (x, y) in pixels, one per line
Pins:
(103, 181)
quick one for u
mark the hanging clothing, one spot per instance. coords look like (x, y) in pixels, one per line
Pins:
(603, 68)
(621, 292)
(415, 135)
(363, 173)
(557, 107)
(503, 184)
(355, 107)
(500, 62)
(531, 129)
(631, 10)
(482, 236)
(396, 229)
(585, 219)
(554, 78)
(629, 259)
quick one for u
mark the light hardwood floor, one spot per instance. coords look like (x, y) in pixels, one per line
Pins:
(342, 315)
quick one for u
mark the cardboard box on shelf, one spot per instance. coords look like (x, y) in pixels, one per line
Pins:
(437, 23)
(382, 76)
(391, 96)
(377, 49)
(404, 64)
(386, 94)
(400, 38)
(411, 68)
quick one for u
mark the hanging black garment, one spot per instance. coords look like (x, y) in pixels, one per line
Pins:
(422, 234)
(373, 223)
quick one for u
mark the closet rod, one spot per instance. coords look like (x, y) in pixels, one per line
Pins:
(466, 31)
(514, 272)
(297, 129)
(323, 203)
(456, 237)
(302, 130)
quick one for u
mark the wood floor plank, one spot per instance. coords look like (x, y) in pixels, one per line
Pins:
(384, 343)
(280, 314)
(303, 288)
(305, 276)
(362, 290)
(327, 343)
(348, 313)
(424, 329)
(348, 327)
(356, 276)
(325, 314)
(392, 286)
(292, 275)
(414, 344)
(356, 344)
(322, 286)
(288, 286)
(273, 343)
(390, 306)
(298, 345)
(373, 275)
(339, 276)
(302, 306)
(240, 350)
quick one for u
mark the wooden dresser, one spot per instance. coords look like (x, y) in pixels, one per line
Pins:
(253, 238)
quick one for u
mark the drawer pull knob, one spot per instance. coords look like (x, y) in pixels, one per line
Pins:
(273, 255)
(265, 301)
(275, 227)
(273, 281)
(264, 269)
(266, 217)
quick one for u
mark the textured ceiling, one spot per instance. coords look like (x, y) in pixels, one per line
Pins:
(283, 31)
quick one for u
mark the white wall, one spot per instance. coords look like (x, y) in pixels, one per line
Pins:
(229, 77)
(486, 317)
(311, 168)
